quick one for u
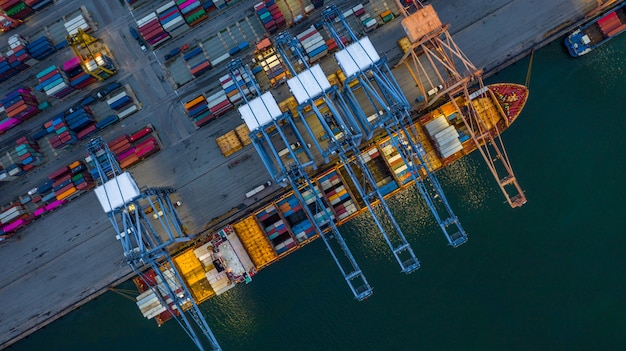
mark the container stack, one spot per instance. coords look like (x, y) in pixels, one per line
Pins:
(151, 30)
(219, 4)
(296, 217)
(209, 5)
(38, 4)
(198, 111)
(119, 100)
(275, 229)
(229, 143)
(7, 68)
(16, 9)
(197, 61)
(130, 149)
(337, 195)
(18, 57)
(107, 121)
(192, 10)
(218, 103)
(171, 19)
(81, 122)
(79, 79)
(386, 16)
(313, 44)
(27, 150)
(63, 135)
(270, 15)
(123, 150)
(40, 48)
(19, 105)
(53, 83)
(255, 243)
(243, 133)
(14, 218)
(71, 181)
(77, 22)
(230, 88)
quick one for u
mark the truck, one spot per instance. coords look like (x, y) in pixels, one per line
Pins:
(101, 95)
(138, 38)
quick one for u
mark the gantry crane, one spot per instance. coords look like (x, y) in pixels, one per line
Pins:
(89, 50)
(146, 239)
(366, 72)
(311, 88)
(271, 132)
(441, 69)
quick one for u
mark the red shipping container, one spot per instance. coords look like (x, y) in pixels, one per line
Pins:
(140, 134)
(59, 172)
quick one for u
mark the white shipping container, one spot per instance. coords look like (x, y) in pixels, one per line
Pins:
(220, 59)
(146, 19)
(116, 97)
(173, 23)
(303, 34)
(312, 39)
(216, 98)
(56, 88)
(73, 21)
(127, 112)
(309, 9)
(168, 5)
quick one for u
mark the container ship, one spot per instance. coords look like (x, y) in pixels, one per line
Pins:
(597, 32)
(236, 252)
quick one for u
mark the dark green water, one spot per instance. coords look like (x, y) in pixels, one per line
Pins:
(548, 276)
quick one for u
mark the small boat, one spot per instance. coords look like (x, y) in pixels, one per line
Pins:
(597, 32)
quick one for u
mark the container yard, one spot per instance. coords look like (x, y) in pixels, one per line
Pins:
(73, 97)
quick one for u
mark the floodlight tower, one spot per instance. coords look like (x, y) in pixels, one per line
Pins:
(146, 238)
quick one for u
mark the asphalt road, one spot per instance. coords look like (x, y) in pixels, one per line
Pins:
(72, 254)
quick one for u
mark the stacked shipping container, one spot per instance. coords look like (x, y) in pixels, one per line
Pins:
(197, 61)
(337, 194)
(275, 229)
(75, 23)
(28, 153)
(218, 103)
(53, 83)
(40, 48)
(313, 44)
(270, 15)
(198, 111)
(16, 9)
(171, 19)
(151, 30)
(296, 217)
(19, 105)
(63, 135)
(192, 11)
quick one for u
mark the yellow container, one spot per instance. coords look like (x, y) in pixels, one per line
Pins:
(243, 133)
(229, 143)
(255, 242)
(193, 274)
(405, 44)
(66, 194)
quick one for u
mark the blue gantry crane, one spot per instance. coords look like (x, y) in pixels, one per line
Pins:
(278, 141)
(369, 76)
(312, 89)
(146, 224)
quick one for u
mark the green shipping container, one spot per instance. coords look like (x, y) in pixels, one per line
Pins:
(388, 18)
(15, 9)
